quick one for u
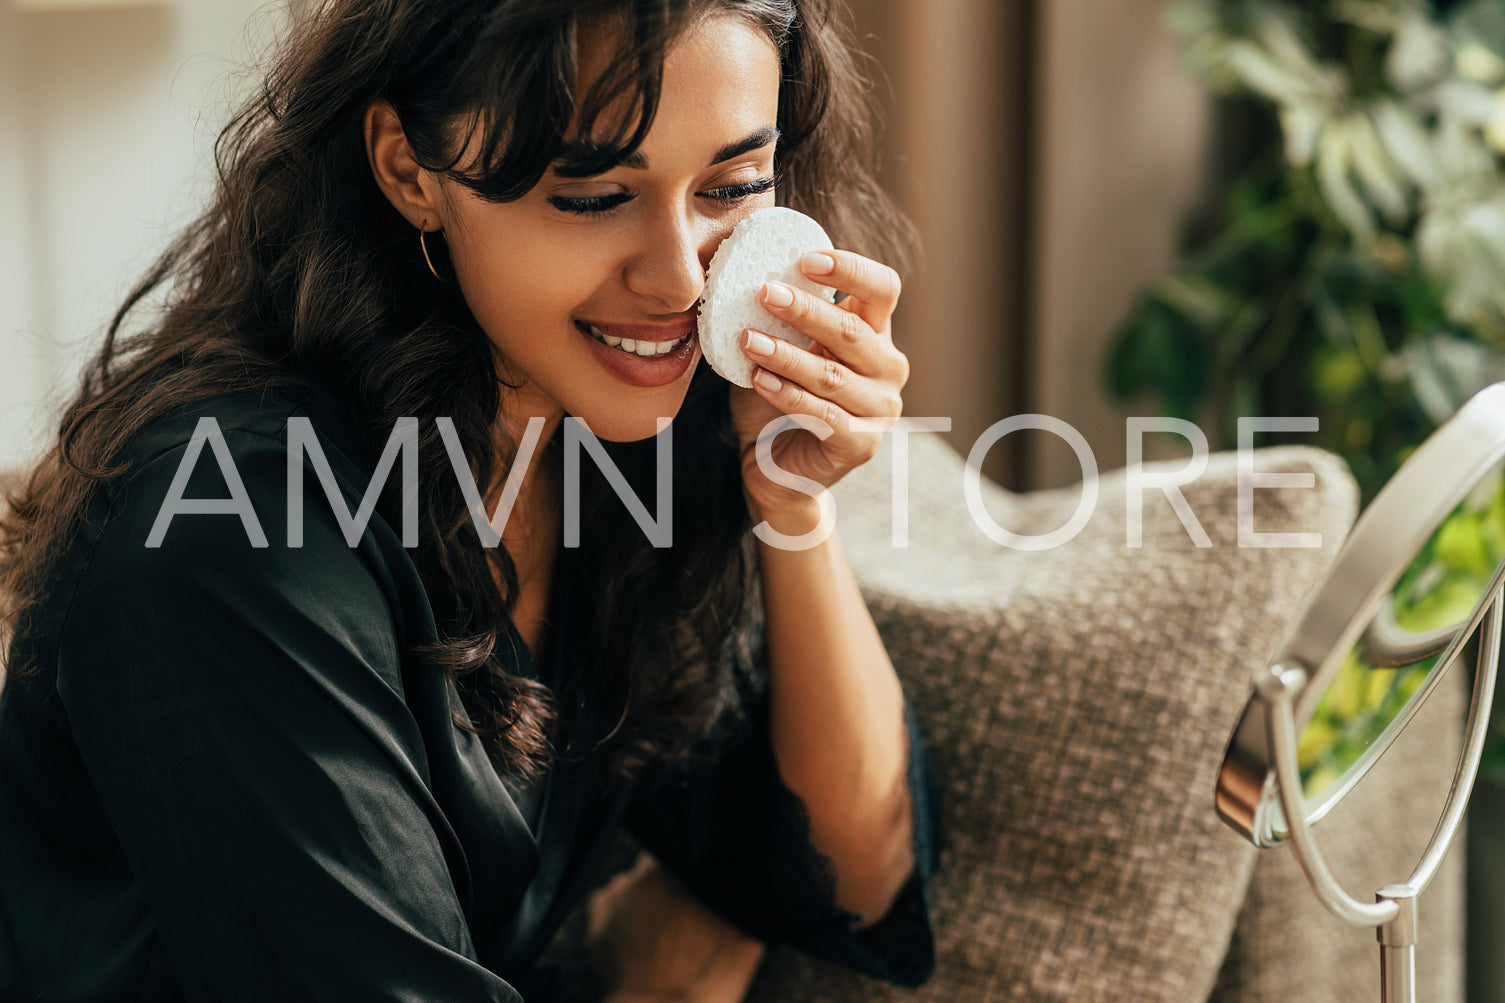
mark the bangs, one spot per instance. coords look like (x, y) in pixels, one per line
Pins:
(517, 91)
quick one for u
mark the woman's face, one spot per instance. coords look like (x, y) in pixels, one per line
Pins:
(623, 255)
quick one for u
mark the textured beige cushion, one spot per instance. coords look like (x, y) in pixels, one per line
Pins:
(1076, 702)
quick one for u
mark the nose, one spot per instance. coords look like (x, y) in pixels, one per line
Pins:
(668, 269)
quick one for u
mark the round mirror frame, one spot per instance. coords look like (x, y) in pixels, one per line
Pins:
(1339, 610)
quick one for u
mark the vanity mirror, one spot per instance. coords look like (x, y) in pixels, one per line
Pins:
(1418, 579)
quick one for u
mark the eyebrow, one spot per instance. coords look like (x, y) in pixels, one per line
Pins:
(585, 159)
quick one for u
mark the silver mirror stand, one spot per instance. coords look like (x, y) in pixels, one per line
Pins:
(1394, 908)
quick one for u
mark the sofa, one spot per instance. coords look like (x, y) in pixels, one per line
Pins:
(1076, 702)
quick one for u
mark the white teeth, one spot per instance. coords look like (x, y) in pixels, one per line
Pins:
(611, 340)
(642, 349)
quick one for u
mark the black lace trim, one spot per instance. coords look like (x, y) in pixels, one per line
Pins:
(900, 946)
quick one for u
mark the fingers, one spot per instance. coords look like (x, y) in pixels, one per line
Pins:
(840, 330)
(799, 381)
(853, 370)
(873, 287)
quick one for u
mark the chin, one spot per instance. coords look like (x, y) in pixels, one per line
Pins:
(634, 424)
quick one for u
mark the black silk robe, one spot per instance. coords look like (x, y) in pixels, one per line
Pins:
(225, 777)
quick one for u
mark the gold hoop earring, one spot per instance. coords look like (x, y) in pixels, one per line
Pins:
(423, 245)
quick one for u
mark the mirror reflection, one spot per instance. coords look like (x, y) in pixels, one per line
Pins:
(1384, 672)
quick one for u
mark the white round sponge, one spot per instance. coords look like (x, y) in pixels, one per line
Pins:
(766, 245)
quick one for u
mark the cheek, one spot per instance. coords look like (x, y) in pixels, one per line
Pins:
(512, 275)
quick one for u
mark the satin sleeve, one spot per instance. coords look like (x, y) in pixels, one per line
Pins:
(739, 839)
(240, 711)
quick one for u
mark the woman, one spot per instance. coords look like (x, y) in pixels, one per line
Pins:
(284, 745)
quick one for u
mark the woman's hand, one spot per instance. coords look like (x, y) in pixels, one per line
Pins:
(852, 370)
(651, 942)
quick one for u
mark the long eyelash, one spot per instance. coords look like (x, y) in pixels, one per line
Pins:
(600, 205)
(597, 205)
(734, 193)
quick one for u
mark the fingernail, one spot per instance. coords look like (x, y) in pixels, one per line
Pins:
(768, 381)
(759, 343)
(817, 263)
(777, 294)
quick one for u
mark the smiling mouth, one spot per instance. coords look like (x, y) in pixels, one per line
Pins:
(641, 348)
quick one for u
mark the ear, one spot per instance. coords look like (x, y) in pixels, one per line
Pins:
(411, 189)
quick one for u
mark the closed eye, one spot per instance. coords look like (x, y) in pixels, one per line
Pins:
(593, 205)
(736, 193)
(600, 205)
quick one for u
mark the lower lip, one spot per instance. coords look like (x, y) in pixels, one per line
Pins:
(638, 371)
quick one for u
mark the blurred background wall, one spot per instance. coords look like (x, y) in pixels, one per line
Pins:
(107, 115)
(1048, 150)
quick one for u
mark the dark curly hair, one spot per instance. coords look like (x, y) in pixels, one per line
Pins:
(301, 276)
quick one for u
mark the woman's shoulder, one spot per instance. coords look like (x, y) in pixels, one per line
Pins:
(201, 532)
(269, 457)
(239, 495)
(243, 424)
